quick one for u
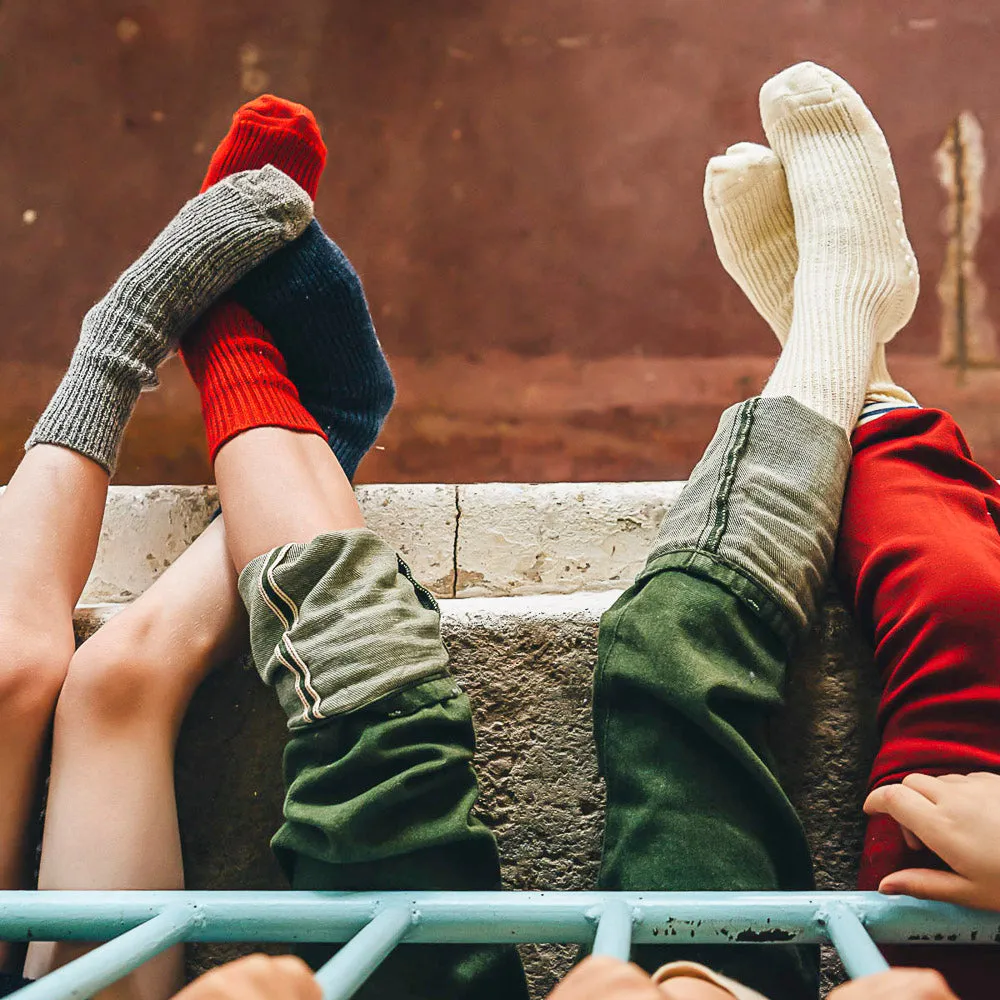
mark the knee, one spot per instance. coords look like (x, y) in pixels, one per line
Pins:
(116, 679)
(33, 668)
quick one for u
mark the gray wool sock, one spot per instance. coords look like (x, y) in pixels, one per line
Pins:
(209, 245)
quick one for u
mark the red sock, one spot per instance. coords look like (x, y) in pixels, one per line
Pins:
(242, 377)
(239, 372)
(271, 130)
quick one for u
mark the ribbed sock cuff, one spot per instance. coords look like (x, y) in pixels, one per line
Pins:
(244, 406)
(241, 377)
(90, 409)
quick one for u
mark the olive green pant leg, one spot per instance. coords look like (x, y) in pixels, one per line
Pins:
(378, 766)
(691, 669)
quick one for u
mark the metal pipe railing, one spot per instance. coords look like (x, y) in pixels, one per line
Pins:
(139, 925)
(347, 971)
(107, 964)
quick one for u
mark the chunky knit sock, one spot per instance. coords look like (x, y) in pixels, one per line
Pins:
(753, 226)
(271, 130)
(230, 356)
(237, 368)
(211, 243)
(856, 283)
(750, 216)
(310, 300)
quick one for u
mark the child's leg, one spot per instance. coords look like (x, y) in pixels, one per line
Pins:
(50, 521)
(919, 565)
(693, 657)
(129, 686)
(51, 512)
(692, 669)
(378, 765)
(111, 817)
(379, 760)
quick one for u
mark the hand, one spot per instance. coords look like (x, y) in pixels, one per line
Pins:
(957, 817)
(256, 977)
(601, 978)
(896, 984)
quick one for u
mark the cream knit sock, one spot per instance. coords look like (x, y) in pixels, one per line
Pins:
(751, 219)
(857, 282)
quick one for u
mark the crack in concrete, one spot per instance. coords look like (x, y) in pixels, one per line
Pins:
(454, 549)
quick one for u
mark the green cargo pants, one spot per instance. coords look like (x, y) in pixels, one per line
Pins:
(691, 668)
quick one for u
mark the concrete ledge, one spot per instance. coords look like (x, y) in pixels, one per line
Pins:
(147, 527)
(489, 540)
(555, 538)
(527, 664)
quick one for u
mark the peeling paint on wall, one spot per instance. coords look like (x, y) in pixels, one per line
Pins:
(968, 336)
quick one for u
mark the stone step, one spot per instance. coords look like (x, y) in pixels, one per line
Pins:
(487, 540)
(527, 663)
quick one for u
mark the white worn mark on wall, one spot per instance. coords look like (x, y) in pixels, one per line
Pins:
(968, 336)
(253, 79)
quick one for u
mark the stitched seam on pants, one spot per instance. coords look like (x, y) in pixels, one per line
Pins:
(423, 594)
(733, 455)
(285, 643)
(712, 504)
(280, 615)
(762, 602)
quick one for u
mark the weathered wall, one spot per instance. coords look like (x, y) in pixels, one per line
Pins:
(519, 182)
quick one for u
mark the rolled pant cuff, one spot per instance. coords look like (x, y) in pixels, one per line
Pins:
(764, 503)
(338, 623)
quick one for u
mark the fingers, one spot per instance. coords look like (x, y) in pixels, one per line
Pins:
(256, 977)
(908, 806)
(928, 786)
(686, 988)
(298, 979)
(897, 984)
(926, 883)
(912, 841)
(602, 978)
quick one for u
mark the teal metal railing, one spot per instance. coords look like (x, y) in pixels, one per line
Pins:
(139, 925)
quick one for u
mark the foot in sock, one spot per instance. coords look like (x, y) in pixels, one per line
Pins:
(310, 300)
(336, 362)
(271, 130)
(211, 243)
(750, 215)
(856, 283)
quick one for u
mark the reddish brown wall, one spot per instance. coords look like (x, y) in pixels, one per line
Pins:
(519, 182)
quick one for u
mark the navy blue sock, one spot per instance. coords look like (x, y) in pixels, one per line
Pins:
(310, 300)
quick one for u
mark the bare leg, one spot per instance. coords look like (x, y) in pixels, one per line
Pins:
(112, 816)
(50, 522)
(279, 486)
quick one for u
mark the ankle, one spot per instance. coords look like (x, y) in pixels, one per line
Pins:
(241, 377)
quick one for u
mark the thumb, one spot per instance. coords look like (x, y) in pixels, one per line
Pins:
(928, 883)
